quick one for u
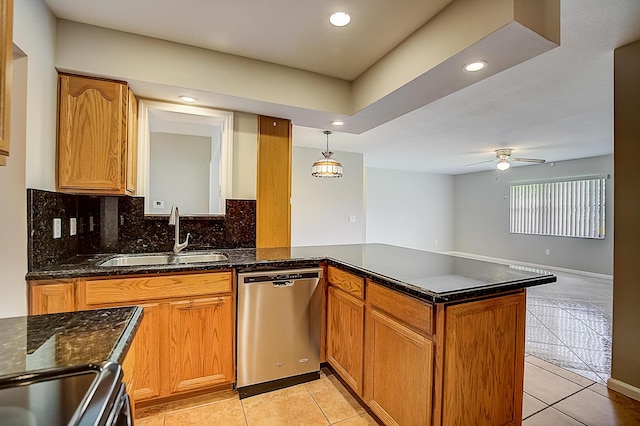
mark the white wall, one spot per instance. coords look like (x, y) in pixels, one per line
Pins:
(34, 32)
(179, 167)
(321, 207)
(13, 216)
(410, 209)
(482, 218)
(245, 155)
(33, 130)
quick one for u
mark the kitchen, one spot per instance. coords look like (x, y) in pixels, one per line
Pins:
(38, 41)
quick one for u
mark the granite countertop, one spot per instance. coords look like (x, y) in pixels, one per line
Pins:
(39, 343)
(430, 276)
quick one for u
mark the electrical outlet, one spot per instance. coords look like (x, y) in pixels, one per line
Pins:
(352, 218)
(57, 228)
(547, 251)
(73, 228)
(158, 204)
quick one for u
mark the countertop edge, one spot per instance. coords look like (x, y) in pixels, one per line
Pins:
(390, 282)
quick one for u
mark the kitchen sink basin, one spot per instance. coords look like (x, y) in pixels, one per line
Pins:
(163, 259)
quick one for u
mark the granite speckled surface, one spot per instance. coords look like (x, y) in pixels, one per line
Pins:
(56, 341)
(119, 225)
(429, 276)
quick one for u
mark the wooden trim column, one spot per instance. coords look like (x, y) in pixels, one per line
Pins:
(273, 193)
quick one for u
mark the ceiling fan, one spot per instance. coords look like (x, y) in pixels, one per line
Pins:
(503, 156)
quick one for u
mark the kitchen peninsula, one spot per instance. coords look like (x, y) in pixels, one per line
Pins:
(67, 368)
(420, 337)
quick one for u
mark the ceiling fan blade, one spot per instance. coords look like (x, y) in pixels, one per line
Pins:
(480, 162)
(530, 160)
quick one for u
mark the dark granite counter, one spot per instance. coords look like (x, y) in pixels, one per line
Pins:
(429, 276)
(40, 343)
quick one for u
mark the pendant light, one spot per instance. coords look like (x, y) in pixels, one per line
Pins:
(327, 166)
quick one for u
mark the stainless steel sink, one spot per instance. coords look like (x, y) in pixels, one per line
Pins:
(164, 259)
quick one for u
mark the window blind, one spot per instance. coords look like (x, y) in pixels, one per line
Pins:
(569, 208)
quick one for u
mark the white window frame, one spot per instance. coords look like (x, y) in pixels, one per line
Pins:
(571, 207)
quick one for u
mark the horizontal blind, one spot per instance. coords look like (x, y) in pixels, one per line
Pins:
(571, 208)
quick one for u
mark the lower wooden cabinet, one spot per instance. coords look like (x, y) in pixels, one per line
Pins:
(484, 361)
(419, 363)
(200, 336)
(345, 336)
(185, 341)
(51, 297)
(398, 371)
(146, 382)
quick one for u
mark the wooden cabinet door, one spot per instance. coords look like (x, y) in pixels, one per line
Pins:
(148, 353)
(200, 343)
(132, 143)
(484, 361)
(6, 49)
(398, 375)
(345, 336)
(91, 154)
(51, 298)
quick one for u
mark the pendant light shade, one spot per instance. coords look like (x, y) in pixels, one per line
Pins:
(327, 166)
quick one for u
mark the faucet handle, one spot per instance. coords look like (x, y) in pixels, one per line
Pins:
(178, 247)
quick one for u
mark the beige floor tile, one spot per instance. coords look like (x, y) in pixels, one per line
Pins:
(531, 405)
(151, 421)
(546, 386)
(550, 417)
(575, 378)
(200, 400)
(289, 406)
(361, 420)
(591, 408)
(151, 411)
(228, 413)
(333, 399)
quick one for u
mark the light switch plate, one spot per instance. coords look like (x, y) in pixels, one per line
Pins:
(57, 227)
(72, 226)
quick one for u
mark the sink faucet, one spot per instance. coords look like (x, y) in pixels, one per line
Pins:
(174, 219)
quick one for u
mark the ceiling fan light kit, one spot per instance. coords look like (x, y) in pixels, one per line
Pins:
(504, 156)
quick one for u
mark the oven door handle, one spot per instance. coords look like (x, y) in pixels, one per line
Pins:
(121, 414)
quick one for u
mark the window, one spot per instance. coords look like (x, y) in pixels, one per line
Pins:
(567, 208)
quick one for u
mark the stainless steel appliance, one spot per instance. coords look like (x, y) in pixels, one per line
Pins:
(84, 396)
(279, 316)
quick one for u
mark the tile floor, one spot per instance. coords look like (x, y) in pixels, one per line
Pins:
(569, 324)
(568, 361)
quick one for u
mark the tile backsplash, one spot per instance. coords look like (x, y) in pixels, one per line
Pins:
(118, 225)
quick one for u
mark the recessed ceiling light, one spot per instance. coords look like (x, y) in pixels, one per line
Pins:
(339, 19)
(475, 66)
(188, 99)
(337, 123)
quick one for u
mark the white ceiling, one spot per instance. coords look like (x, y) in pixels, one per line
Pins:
(556, 106)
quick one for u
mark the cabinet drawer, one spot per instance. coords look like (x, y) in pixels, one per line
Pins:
(350, 283)
(118, 290)
(413, 312)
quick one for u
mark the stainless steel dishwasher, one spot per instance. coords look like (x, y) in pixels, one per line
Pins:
(279, 319)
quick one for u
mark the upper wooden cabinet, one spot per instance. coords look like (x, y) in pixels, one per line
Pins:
(6, 51)
(97, 122)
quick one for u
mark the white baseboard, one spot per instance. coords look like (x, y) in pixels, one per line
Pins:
(624, 388)
(527, 264)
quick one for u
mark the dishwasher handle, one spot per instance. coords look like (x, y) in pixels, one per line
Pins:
(284, 283)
